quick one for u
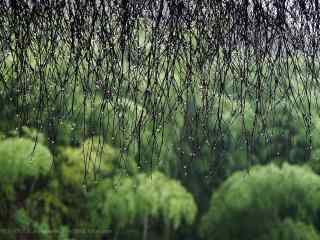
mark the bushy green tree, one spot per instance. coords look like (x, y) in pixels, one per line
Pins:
(289, 229)
(28, 197)
(79, 169)
(21, 158)
(123, 201)
(251, 204)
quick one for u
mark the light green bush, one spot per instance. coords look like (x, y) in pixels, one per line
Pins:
(251, 203)
(126, 200)
(21, 157)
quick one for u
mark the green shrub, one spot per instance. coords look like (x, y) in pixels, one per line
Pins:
(25, 194)
(291, 230)
(97, 159)
(124, 201)
(21, 157)
(250, 204)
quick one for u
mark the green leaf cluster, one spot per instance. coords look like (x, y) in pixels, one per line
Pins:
(250, 204)
(123, 200)
(21, 157)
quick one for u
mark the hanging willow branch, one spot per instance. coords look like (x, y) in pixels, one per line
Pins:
(150, 60)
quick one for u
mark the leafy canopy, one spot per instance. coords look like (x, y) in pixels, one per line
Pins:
(250, 204)
(128, 199)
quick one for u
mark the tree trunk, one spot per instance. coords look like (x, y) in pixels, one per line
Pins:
(145, 227)
(116, 234)
(166, 231)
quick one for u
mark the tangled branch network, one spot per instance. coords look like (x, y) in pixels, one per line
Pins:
(134, 65)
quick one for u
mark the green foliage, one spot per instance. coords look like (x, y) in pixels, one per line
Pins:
(249, 204)
(63, 233)
(154, 136)
(21, 157)
(125, 200)
(284, 138)
(98, 159)
(22, 219)
(32, 134)
(101, 162)
(43, 230)
(265, 203)
(315, 153)
(291, 230)
(30, 205)
(161, 196)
